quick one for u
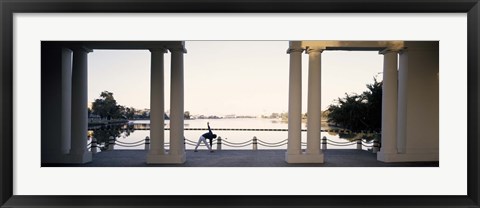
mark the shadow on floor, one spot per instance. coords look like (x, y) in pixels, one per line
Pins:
(242, 158)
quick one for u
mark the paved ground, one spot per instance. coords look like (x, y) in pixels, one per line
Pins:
(244, 158)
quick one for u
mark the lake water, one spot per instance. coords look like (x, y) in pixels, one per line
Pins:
(227, 136)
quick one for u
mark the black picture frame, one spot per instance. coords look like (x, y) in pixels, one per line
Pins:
(9, 7)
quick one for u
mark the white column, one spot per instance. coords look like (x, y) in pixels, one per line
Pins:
(66, 129)
(78, 151)
(402, 103)
(157, 105)
(295, 103)
(389, 105)
(314, 101)
(177, 147)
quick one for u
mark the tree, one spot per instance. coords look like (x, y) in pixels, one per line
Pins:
(274, 115)
(89, 111)
(186, 115)
(359, 112)
(106, 106)
(130, 113)
(145, 114)
(121, 112)
(374, 105)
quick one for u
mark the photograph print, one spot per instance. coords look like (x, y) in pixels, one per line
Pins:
(287, 103)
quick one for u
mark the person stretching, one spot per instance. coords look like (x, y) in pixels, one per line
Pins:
(208, 135)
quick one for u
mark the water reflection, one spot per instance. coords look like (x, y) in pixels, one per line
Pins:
(231, 130)
(357, 136)
(103, 133)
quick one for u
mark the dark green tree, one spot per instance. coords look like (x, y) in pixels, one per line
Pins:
(106, 106)
(130, 113)
(145, 115)
(121, 112)
(359, 112)
(186, 115)
(374, 105)
(89, 111)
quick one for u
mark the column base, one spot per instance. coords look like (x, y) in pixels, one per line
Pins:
(166, 159)
(407, 157)
(53, 158)
(79, 158)
(304, 158)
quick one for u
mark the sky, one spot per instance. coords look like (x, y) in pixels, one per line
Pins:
(230, 77)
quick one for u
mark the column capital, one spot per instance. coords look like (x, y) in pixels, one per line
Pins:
(160, 50)
(178, 49)
(80, 48)
(391, 50)
(309, 50)
(293, 50)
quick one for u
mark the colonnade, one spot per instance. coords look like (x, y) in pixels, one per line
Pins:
(65, 84)
(313, 153)
(157, 153)
(410, 100)
(70, 145)
(410, 103)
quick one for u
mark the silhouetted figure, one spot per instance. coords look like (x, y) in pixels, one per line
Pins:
(209, 135)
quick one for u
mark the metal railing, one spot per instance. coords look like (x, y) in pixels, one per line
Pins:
(255, 142)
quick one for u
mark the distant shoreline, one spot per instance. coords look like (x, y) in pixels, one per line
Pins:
(92, 122)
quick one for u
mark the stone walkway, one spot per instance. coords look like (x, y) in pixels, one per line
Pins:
(244, 158)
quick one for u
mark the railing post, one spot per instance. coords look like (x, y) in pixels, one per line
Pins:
(219, 143)
(94, 145)
(111, 143)
(147, 143)
(359, 144)
(324, 143)
(376, 146)
(254, 143)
